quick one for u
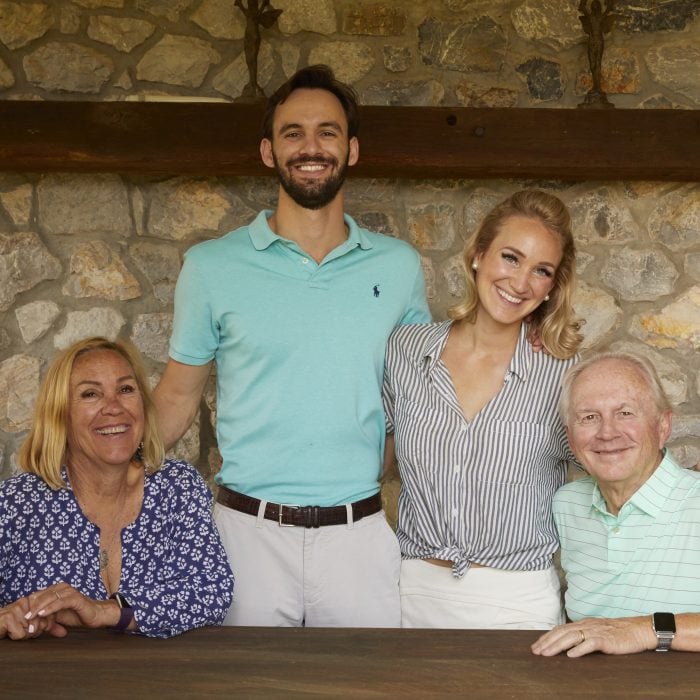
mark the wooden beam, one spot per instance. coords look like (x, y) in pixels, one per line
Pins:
(405, 142)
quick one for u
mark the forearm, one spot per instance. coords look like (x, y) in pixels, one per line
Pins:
(687, 632)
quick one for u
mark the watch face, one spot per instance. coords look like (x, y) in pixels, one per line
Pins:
(664, 622)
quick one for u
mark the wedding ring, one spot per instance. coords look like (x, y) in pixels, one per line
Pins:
(583, 636)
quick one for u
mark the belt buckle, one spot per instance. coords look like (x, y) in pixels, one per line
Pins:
(282, 506)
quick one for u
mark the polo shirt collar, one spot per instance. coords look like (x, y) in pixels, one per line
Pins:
(262, 236)
(653, 493)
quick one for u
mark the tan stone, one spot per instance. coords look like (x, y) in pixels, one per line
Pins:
(430, 276)
(431, 226)
(94, 4)
(151, 335)
(687, 456)
(36, 318)
(177, 60)
(350, 61)
(675, 219)
(551, 22)
(676, 67)
(602, 215)
(374, 20)
(22, 22)
(69, 19)
(171, 9)
(160, 264)
(83, 205)
(24, 263)
(19, 383)
(221, 18)
(306, 15)
(68, 67)
(102, 321)
(453, 276)
(17, 202)
(7, 80)
(685, 426)
(124, 33)
(639, 275)
(181, 208)
(96, 271)
(692, 265)
(477, 205)
(619, 73)
(677, 325)
(289, 55)
(233, 78)
(600, 311)
(470, 95)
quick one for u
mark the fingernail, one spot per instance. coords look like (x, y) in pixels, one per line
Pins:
(28, 615)
(41, 613)
(31, 629)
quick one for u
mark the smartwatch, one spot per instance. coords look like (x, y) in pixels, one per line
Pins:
(664, 626)
(126, 612)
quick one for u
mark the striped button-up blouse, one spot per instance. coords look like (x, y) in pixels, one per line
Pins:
(481, 490)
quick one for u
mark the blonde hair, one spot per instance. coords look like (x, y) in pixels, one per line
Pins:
(644, 368)
(43, 451)
(553, 320)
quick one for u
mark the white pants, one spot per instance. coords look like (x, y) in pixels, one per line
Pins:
(332, 576)
(484, 598)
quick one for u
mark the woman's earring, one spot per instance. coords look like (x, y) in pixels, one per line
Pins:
(546, 297)
(475, 265)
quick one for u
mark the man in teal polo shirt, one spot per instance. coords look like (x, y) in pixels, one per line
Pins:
(630, 530)
(296, 309)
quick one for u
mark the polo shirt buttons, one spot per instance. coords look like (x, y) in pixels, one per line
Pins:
(616, 531)
(304, 261)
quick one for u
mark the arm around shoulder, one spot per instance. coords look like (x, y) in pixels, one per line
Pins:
(177, 398)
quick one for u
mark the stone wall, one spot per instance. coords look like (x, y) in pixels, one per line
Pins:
(86, 254)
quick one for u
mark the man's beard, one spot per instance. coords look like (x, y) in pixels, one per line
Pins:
(312, 194)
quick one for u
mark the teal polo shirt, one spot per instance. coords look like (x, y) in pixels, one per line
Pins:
(299, 351)
(644, 560)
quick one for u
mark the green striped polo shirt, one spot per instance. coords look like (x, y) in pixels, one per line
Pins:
(645, 559)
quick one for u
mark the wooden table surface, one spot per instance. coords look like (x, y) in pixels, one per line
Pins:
(354, 663)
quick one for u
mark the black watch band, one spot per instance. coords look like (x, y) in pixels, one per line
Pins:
(126, 612)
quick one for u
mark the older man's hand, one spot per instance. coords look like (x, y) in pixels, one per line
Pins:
(624, 635)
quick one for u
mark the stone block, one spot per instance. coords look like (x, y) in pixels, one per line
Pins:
(7, 79)
(602, 314)
(549, 22)
(419, 93)
(670, 15)
(36, 318)
(17, 202)
(177, 60)
(170, 9)
(350, 60)
(151, 335)
(675, 66)
(544, 79)
(677, 325)
(102, 321)
(124, 33)
(220, 18)
(306, 16)
(19, 384)
(231, 79)
(675, 219)
(619, 73)
(639, 275)
(376, 19)
(160, 264)
(22, 22)
(397, 59)
(431, 227)
(602, 215)
(472, 95)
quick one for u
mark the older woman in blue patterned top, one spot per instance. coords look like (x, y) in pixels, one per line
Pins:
(100, 531)
(480, 447)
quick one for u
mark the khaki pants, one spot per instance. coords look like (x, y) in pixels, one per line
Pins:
(332, 576)
(484, 598)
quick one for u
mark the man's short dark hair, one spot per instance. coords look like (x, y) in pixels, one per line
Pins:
(318, 77)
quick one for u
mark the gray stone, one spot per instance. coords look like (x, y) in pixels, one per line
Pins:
(289, 56)
(83, 205)
(36, 318)
(687, 456)
(374, 19)
(17, 202)
(7, 80)
(421, 93)
(96, 271)
(672, 377)
(233, 78)
(477, 205)
(397, 59)
(306, 15)
(177, 60)
(5, 341)
(544, 79)
(676, 67)
(160, 264)
(220, 18)
(151, 335)
(124, 33)
(677, 325)
(583, 260)
(24, 263)
(660, 102)
(181, 208)
(430, 276)
(19, 384)
(639, 275)
(692, 265)
(67, 67)
(669, 15)
(379, 222)
(601, 312)
(453, 274)
(431, 226)
(102, 321)
(685, 426)
(22, 22)
(675, 220)
(478, 45)
(602, 215)
(550, 22)
(170, 9)
(473, 95)
(350, 60)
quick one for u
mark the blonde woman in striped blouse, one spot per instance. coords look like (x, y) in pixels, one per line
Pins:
(480, 447)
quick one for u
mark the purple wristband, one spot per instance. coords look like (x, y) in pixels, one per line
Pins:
(126, 613)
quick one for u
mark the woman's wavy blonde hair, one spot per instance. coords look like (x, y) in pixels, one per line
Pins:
(553, 320)
(43, 452)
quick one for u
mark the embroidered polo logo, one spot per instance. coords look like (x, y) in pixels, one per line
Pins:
(375, 290)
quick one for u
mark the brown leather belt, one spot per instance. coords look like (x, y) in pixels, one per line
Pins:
(301, 516)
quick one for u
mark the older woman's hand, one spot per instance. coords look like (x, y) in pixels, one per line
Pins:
(60, 606)
(623, 635)
(15, 624)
